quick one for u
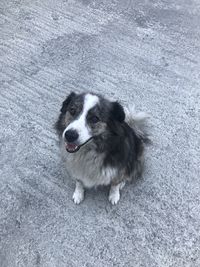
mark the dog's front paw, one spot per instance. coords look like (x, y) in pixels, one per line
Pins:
(78, 196)
(114, 197)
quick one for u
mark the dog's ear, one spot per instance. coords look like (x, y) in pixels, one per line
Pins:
(117, 112)
(66, 102)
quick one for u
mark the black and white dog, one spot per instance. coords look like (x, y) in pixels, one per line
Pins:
(101, 142)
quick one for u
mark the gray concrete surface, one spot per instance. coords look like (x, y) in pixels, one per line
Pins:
(142, 52)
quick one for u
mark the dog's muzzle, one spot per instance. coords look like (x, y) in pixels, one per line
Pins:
(74, 147)
(71, 137)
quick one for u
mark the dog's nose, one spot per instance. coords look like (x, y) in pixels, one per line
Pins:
(71, 136)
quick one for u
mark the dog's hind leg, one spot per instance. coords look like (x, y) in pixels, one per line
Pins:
(78, 195)
(114, 194)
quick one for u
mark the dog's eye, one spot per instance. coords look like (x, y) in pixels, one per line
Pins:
(72, 111)
(94, 119)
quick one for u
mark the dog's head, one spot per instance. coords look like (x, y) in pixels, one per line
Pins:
(87, 116)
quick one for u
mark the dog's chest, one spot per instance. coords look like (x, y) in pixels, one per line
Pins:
(87, 166)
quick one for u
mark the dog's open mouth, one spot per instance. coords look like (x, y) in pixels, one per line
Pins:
(71, 148)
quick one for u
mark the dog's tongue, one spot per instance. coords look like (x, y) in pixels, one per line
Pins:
(71, 146)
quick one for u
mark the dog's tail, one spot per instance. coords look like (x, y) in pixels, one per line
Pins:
(138, 122)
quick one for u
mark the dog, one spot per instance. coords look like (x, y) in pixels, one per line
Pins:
(101, 143)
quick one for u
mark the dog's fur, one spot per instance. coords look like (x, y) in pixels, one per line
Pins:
(105, 143)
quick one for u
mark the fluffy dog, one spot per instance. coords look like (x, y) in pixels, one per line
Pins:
(101, 142)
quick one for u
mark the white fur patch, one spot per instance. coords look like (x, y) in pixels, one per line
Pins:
(80, 124)
(109, 173)
(114, 194)
(136, 120)
(78, 195)
(133, 116)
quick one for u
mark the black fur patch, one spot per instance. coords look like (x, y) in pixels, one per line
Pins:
(122, 147)
(59, 125)
(117, 112)
(66, 102)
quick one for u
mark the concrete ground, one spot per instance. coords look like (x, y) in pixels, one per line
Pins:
(145, 52)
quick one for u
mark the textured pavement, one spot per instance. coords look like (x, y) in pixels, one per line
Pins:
(141, 52)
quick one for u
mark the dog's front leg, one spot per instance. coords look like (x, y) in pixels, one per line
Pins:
(78, 195)
(114, 194)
